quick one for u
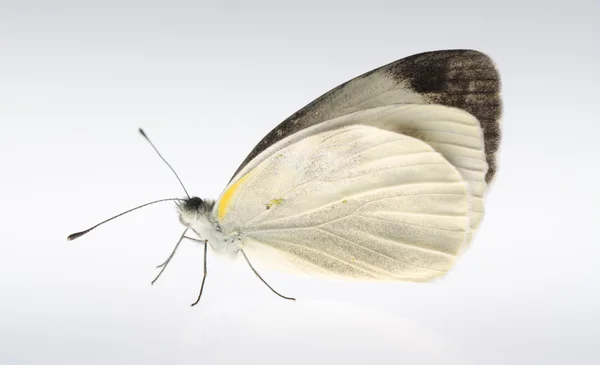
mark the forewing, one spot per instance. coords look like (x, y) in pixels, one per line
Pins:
(463, 79)
(356, 202)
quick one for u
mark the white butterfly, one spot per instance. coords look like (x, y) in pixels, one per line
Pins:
(381, 178)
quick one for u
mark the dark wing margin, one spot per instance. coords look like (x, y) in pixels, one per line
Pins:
(464, 79)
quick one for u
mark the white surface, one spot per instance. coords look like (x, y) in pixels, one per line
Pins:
(207, 81)
(356, 202)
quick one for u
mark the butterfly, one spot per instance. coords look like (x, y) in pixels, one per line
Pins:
(382, 178)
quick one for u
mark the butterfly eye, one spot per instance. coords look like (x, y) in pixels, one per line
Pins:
(196, 204)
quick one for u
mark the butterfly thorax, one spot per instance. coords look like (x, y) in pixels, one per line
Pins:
(196, 214)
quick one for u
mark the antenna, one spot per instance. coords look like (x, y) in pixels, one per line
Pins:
(165, 161)
(79, 234)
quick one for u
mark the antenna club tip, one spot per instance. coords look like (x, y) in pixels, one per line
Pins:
(76, 235)
(142, 132)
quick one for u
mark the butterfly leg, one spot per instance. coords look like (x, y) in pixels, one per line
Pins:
(163, 266)
(204, 276)
(261, 279)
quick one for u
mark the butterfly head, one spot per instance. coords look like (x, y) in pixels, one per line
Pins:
(193, 209)
(197, 215)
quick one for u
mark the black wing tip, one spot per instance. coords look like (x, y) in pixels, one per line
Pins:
(448, 71)
(462, 78)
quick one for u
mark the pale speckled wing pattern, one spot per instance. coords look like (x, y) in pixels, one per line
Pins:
(356, 202)
(453, 132)
(464, 79)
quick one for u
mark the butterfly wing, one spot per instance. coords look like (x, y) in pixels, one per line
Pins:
(357, 202)
(464, 79)
(455, 133)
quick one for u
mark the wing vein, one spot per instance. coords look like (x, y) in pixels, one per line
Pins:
(406, 223)
(384, 255)
(321, 253)
(361, 194)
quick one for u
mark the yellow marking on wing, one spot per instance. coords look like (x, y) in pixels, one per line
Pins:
(224, 202)
(277, 201)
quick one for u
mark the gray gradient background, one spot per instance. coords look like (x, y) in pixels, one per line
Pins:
(207, 80)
